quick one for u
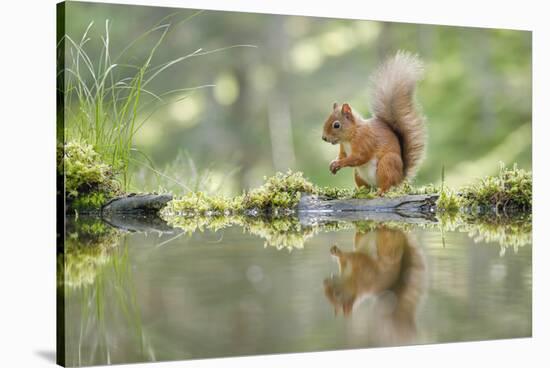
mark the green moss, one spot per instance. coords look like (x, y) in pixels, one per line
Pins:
(92, 200)
(448, 202)
(281, 191)
(335, 193)
(508, 193)
(89, 182)
(198, 203)
(406, 188)
(364, 193)
(84, 169)
(510, 190)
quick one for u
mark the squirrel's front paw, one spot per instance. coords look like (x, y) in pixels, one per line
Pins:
(335, 166)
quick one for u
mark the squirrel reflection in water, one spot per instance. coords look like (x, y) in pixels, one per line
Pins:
(385, 265)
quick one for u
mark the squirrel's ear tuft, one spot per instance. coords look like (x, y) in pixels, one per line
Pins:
(334, 105)
(346, 111)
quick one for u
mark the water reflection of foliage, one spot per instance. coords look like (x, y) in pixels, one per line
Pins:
(112, 292)
(287, 231)
(508, 232)
(97, 270)
(279, 232)
(89, 244)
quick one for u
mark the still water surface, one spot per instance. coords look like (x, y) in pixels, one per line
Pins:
(226, 294)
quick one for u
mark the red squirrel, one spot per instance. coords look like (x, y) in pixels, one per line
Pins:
(387, 148)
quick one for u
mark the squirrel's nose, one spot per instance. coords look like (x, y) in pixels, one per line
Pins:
(325, 139)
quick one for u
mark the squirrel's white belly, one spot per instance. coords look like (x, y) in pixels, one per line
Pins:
(367, 171)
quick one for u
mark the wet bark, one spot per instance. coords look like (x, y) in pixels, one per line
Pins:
(136, 204)
(410, 208)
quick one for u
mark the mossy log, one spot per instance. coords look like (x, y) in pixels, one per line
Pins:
(409, 208)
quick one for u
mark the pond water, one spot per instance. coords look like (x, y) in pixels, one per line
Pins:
(154, 297)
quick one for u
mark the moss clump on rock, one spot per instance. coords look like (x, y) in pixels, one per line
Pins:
(89, 182)
(510, 190)
(335, 193)
(201, 204)
(279, 193)
(406, 188)
(507, 193)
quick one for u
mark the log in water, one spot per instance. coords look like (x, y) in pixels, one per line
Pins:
(136, 204)
(409, 208)
(137, 212)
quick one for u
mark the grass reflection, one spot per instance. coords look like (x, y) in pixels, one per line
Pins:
(97, 268)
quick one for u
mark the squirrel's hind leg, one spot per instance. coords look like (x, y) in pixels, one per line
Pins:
(389, 172)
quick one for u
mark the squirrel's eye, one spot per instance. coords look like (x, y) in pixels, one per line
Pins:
(336, 125)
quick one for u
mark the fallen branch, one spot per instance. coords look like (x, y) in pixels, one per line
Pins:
(409, 208)
(136, 204)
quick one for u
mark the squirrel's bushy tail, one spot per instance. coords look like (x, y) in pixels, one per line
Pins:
(392, 89)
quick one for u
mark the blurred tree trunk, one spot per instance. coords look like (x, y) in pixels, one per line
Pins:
(385, 45)
(279, 116)
(478, 51)
(427, 40)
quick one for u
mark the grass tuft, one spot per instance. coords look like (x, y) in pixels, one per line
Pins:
(108, 100)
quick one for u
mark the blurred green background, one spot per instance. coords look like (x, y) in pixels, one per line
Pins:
(266, 110)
